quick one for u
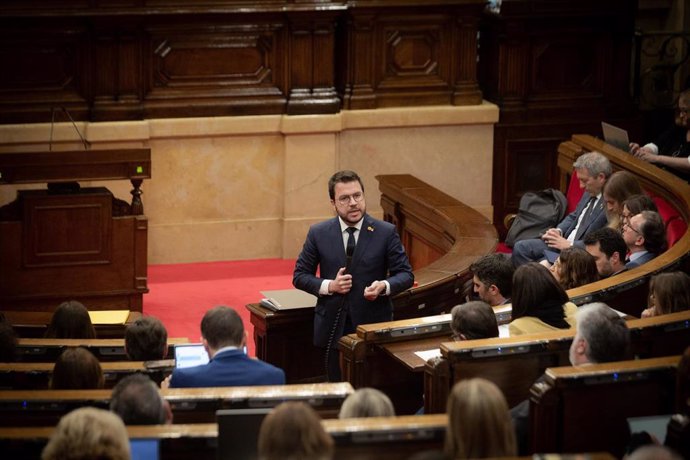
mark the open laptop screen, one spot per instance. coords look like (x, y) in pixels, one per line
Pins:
(618, 137)
(145, 449)
(238, 433)
(188, 355)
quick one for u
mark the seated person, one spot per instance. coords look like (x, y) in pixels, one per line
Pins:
(473, 320)
(146, 339)
(620, 186)
(635, 205)
(367, 402)
(602, 336)
(672, 149)
(593, 170)
(668, 293)
(575, 267)
(70, 320)
(8, 343)
(88, 433)
(609, 250)
(479, 424)
(77, 369)
(293, 430)
(137, 400)
(492, 278)
(224, 338)
(540, 303)
(645, 237)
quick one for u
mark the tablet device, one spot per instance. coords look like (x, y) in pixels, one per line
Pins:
(189, 355)
(616, 136)
(238, 433)
(655, 424)
(144, 449)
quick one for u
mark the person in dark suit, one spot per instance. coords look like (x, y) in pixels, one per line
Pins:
(224, 338)
(645, 236)
(593, 169)
(361, 264)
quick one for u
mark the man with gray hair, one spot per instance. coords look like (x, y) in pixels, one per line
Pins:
(602, 336)
(593, 169)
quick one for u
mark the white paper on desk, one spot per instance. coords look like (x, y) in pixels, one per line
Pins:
(504, 330)
(426, 355)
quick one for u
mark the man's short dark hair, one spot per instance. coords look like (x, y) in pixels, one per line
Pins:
(654, 232)
(610, 241)
(606, 334)
(342, 176)
(496, 269)
(146, 339)
(222, 327)
(137, 401)
(474, 320)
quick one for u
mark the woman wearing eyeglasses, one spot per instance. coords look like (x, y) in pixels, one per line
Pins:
(672, 149)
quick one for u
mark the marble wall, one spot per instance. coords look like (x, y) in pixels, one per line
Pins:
(231, 188)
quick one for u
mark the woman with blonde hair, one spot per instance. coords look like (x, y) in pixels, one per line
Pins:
(618, 188)
(668, 293)
(367, 402)
(293, 431)
(479, 423)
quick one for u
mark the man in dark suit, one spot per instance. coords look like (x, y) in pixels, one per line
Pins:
(608, 248)
(645, 236)
(224, 338)
(593, 169)
(361, 264)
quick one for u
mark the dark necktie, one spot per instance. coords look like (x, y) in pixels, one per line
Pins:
(585, 219)
(350, 248)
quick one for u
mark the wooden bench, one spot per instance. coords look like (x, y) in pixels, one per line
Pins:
(189, 405)
(586, 408)
(48, 350)
(36, 376)
(33, 324)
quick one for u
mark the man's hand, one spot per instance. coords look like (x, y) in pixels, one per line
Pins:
(165, 383)
(341, 284)
(555, 240)
(374, 290)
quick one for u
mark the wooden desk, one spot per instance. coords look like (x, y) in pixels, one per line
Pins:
(442, 238)
(35, 323)
(85, 245)
(44, 350)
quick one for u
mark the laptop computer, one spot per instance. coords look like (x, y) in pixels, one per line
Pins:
(189, 355)
(618, 137)
(238, 433)
(654, 424)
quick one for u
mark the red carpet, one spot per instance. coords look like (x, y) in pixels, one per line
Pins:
(180, 294)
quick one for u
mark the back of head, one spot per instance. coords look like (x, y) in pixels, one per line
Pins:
(293, 431)
(343, 176)
(495, 269)
(473, 320)
(609, 240)
(606, 334)
(653, 230)
(479, 423)
(8, 343)
(367, 402)
(671, 292)
(595, 163)
(221, 326)
(71, 321)
(88, 434)
(137, 401)
(76, 369)
(534, 288)
(653, 452)
(638, 203)
(621, 186)
(577, 268)
(146, 339)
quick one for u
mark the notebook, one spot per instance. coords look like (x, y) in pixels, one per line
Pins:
(238, 432)
(189, 355)
(616, 136)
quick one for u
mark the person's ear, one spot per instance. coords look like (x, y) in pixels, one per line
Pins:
(168, 412)
(204, 342)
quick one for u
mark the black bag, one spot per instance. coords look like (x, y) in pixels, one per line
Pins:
(538, 212)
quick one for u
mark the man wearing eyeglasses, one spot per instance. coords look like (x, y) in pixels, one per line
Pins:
(361, 264)
(645, 237)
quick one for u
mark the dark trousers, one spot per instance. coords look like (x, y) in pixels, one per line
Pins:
(342, 327)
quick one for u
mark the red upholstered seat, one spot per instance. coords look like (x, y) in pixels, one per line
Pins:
(675, 225)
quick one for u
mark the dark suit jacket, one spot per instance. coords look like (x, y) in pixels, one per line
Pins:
(230, 368)
(597, 219)
(379, 255)
(640, 260)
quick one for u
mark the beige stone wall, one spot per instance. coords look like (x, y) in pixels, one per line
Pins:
(249, 187)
